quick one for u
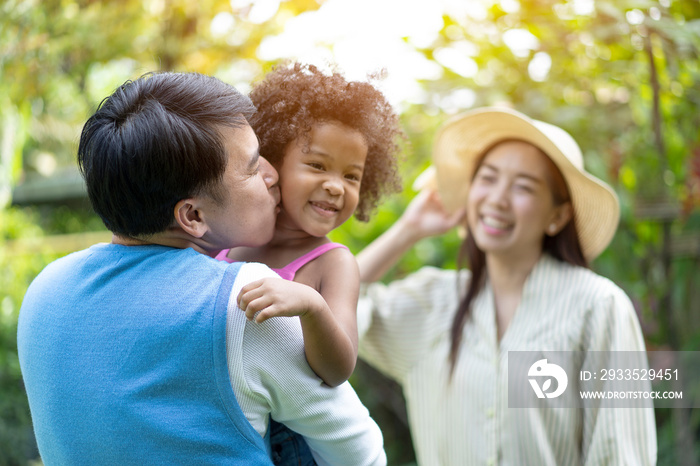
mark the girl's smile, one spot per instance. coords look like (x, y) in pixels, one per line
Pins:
(325, 209)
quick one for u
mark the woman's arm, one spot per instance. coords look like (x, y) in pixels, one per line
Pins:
(614, 433)
(424, 217)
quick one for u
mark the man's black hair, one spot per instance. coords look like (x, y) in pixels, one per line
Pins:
(154, 142)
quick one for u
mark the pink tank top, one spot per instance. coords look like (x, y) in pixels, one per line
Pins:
(288, 271)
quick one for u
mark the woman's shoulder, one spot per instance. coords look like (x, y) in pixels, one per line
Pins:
(583, 282)
(431, 273)
(432, 280)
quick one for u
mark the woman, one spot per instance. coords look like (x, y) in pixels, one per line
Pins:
(535, 219)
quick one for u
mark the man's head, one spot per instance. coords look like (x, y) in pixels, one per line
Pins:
(166, 138)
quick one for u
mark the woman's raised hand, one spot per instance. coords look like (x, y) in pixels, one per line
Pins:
(425, 216)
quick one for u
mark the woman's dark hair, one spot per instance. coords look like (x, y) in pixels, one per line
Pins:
(293, 98)
(564, 246)
(154, 142)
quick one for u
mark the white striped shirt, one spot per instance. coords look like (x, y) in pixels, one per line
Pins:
(467, 421)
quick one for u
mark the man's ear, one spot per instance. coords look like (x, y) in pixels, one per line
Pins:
(187, 215)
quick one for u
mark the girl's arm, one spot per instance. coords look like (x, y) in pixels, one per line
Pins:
(424, 217)
(328, 316)
(331, 340)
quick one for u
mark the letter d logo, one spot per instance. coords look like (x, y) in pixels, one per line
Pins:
(543, 369)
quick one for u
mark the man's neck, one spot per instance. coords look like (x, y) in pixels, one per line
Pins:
(168, 238)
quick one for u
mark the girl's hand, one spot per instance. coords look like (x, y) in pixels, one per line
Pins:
(276, 297)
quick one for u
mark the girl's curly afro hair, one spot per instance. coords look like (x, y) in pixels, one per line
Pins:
(293, 98)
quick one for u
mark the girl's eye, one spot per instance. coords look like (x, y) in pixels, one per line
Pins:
(352, 177)
(316, 166)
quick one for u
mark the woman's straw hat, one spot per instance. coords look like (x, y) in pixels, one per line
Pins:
(462, 139)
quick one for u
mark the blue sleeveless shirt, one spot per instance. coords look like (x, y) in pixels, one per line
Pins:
(123, 354)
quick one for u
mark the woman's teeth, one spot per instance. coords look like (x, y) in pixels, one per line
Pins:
(495, 223)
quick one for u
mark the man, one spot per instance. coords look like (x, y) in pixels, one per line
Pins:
(135, 352)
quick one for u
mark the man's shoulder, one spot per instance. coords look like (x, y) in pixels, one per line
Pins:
(257, 268)
(62, 265)
(251, 271)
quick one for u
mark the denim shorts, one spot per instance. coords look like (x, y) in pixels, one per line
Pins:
(289, 448)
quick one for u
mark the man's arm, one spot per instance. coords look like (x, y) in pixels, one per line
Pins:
(270, 376)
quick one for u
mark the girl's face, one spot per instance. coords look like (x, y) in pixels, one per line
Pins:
(320, 184)
(510, 206)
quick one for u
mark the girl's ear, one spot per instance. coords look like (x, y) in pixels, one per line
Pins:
(187, 215)
(560, 218)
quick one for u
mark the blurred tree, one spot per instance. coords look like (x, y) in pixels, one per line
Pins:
(16, 271)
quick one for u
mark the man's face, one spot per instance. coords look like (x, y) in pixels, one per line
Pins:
(246, 213)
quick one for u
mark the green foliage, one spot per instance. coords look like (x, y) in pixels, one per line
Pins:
(16, 272)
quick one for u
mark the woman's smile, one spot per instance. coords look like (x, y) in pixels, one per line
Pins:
(494, 225)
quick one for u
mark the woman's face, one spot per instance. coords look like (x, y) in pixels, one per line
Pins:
(510, 206)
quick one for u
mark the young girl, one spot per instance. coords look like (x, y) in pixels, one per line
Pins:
(334, 144)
